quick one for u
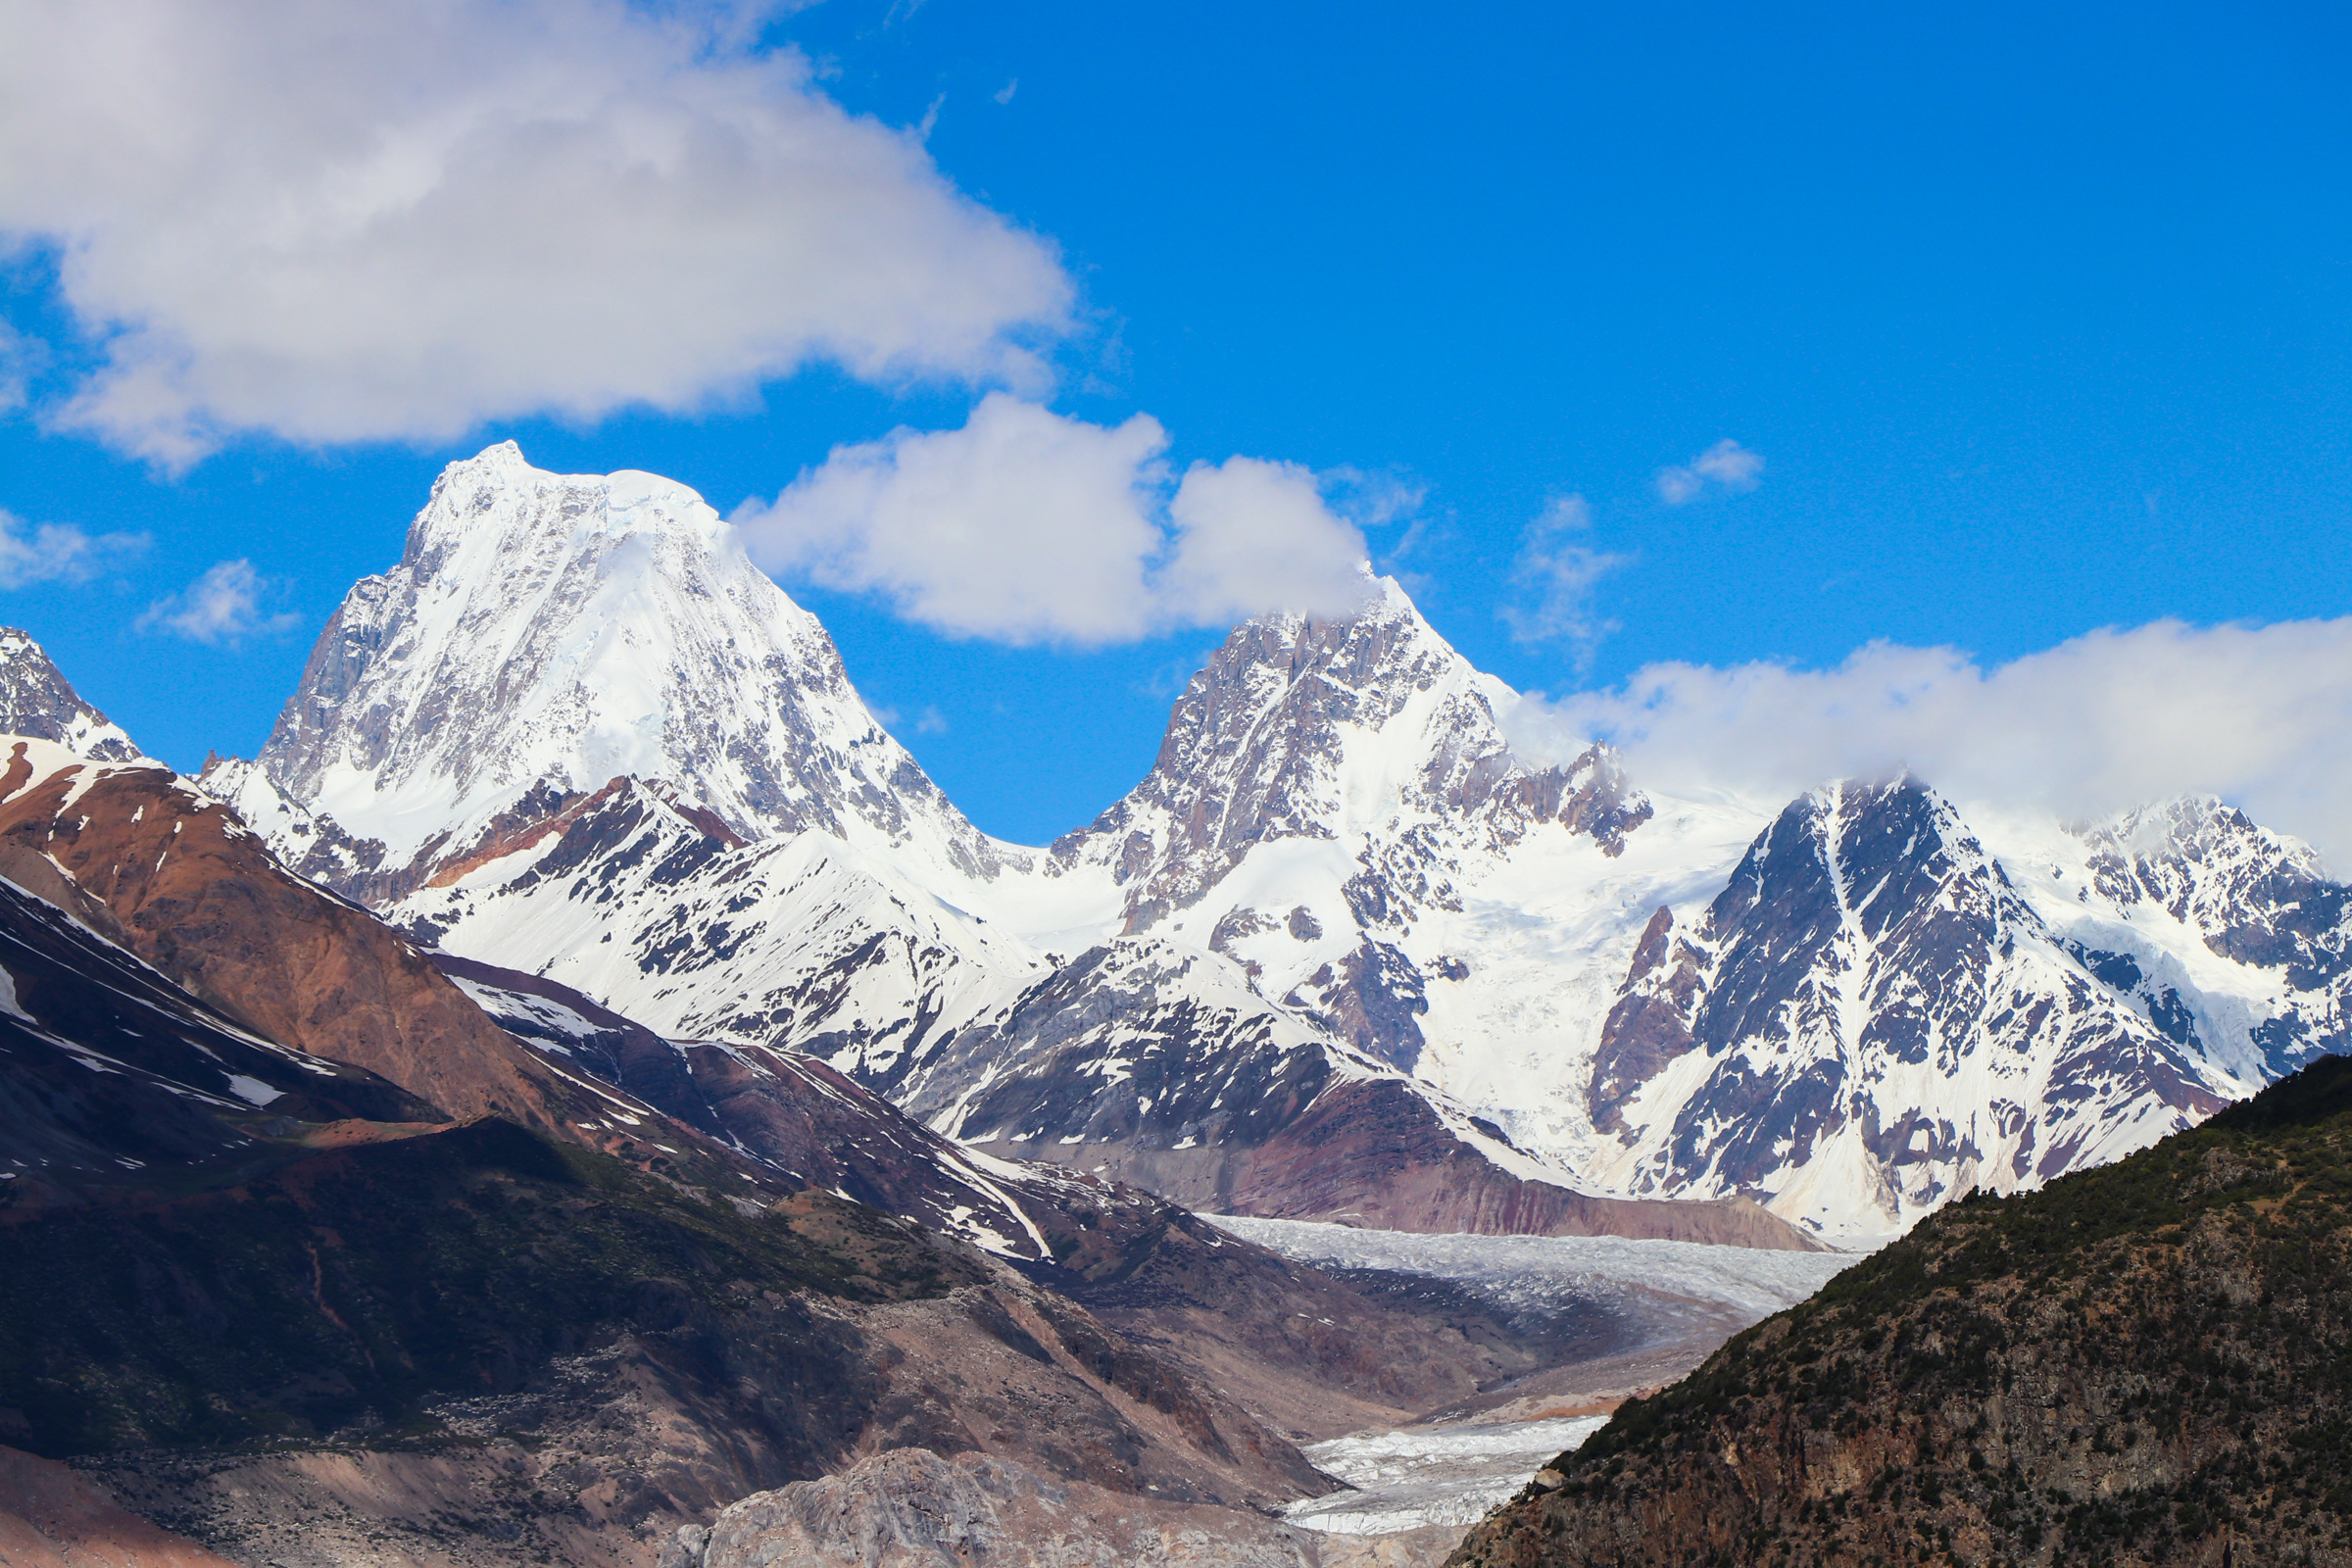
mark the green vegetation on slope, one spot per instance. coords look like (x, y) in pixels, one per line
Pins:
(356, 1288)
(2146, 1363)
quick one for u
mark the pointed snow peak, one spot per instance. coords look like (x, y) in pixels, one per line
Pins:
(546, 633)
(39, 702)
(493, 514)
(1364, 730)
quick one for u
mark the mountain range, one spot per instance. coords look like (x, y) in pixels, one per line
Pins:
(583, 1073)
(1353, 948)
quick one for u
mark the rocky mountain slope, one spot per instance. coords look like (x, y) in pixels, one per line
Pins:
(189, 890)
(322, 1317)
(408, 1308)
(2148, 1363)
(50, 1517)
(115, 1081)
(1140, 1059)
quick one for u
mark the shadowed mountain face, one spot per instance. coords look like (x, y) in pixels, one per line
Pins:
(2149, 1363)
(1870, 1013)
(417, 1305)
(115, 1081)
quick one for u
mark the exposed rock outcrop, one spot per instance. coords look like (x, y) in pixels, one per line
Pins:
(39, 702)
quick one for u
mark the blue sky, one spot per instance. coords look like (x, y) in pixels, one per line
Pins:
(2035, 317)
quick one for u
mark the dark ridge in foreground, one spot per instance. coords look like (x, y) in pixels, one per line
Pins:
(358, 1286)
(2145, 1365)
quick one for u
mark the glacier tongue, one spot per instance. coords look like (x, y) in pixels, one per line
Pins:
(544, 634)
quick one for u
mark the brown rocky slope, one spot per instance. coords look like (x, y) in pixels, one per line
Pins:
(2149, 1363)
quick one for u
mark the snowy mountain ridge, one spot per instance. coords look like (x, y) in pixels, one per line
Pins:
(1341, 905)
(37, 702)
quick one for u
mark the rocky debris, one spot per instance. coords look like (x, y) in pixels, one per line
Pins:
(1321, 1356)
(479, 1344)
(1370, 1151)
(53, 1518)
(911, 1509)
(2148, 1363)
(37, 702)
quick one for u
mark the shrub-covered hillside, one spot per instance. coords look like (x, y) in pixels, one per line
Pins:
(2148, 1363)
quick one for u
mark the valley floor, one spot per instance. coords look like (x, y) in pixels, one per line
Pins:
(1675, 1303)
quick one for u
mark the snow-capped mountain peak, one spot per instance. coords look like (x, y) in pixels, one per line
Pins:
(37, 701)
(1357, 730)
(543, 634)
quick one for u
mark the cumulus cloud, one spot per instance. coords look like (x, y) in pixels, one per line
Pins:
(1557, 567)
(1726, 467)
(2260, 715)
(1026, 527)
(337, 222)
(220, 608)
(59, 552)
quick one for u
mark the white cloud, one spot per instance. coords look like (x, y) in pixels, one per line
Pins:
(59, 552)
(1254, 536)
(337, 222)
(1559, 569)
(1026, 526)
(20, 357)
(1727, 465)
(2260, 715)
(220, 608)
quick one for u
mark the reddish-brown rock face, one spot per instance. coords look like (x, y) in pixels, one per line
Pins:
(200, 898)
(52, 1518)
(1374, 1154)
